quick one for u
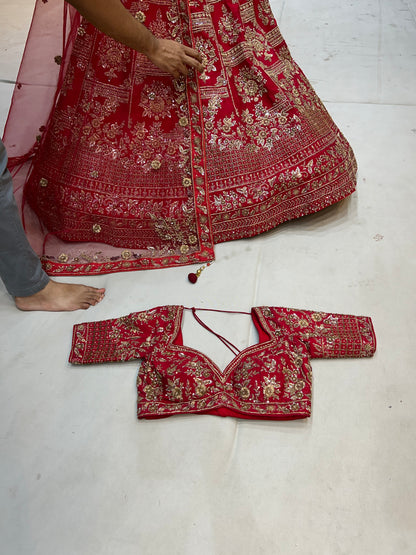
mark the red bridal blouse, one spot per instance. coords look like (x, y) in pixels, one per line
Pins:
(271, 379)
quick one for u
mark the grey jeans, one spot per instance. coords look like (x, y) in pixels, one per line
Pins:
(20, 268)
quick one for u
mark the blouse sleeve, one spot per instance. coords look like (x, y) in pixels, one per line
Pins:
(118, 339)
(328, 335)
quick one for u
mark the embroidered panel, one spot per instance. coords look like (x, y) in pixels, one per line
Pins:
(139, 170)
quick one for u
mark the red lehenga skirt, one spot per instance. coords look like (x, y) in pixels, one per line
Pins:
(129, 168)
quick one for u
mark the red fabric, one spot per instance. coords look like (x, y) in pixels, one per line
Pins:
(271, 379)
(136, 170)
(40, 77)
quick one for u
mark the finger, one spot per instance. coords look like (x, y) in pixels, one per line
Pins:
(193, 53)
(194, 63)
(183, 69)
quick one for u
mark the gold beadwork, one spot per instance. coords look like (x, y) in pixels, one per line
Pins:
(268, 390)
(126, 255)
(156, 164)
(201, 269)
(183, 121)
(201, 389)
(244, 392)
(140, 16)
(186, 181)
(96, 228)
(43, 182)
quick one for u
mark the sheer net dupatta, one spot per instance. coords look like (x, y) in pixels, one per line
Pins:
(48, 48)
(78, 151)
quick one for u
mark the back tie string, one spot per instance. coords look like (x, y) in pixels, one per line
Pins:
(226, 342)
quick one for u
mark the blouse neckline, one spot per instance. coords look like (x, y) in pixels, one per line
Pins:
(258, 320)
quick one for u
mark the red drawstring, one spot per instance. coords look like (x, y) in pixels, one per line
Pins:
(226, 342)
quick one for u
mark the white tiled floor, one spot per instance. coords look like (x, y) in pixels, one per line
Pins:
(80, 475)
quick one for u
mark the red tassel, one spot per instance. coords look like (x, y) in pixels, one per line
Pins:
(193, 277)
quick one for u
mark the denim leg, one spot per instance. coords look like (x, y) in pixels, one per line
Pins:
(20, 268)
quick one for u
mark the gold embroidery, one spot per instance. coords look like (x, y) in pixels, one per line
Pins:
(317, 316)
(249, 86)
(156, 101)
(201, 388)
(140, 16)
(228, 28)
(245, 393)
(174, 390)
(156, 164)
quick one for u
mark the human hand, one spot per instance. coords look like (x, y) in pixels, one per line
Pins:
(175, 58)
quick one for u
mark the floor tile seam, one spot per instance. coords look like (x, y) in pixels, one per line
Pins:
(280, 16)
(256, 287)
(379, 52)
(411, 10)
(364, 103)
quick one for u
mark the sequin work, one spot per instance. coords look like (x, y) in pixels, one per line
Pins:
(165, 168)
(271, 379)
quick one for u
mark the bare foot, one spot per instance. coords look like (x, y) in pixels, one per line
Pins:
(57, 297)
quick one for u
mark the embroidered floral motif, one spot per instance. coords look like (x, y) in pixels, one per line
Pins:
(228, 28)
(200, 389)
(113, 57)
(156, 101)
(249, 86)
(245, 393)
(265, 12)
(208, 53)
